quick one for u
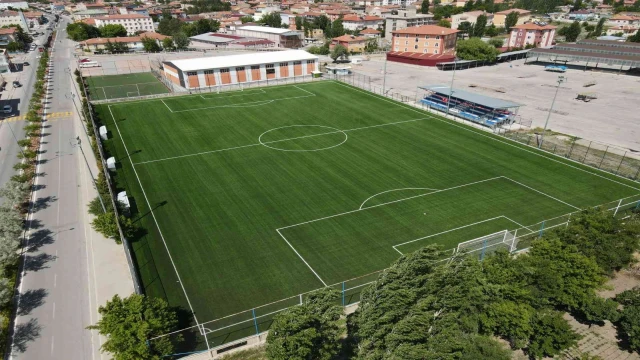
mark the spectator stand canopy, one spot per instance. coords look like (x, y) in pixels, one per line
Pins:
(481, 109)
(597, 53)
(467, 64)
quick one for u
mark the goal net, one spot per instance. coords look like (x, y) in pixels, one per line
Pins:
(500, 240)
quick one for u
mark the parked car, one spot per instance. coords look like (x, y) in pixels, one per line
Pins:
(26, 63)
(16, 84)
(7, 109)
(84, 60)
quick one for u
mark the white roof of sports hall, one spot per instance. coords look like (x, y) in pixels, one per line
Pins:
(216, 62)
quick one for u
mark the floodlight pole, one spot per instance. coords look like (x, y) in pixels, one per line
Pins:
(384, 76)
(561, 79)
(451, 85)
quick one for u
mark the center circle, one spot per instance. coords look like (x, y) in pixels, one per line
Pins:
(303, 138)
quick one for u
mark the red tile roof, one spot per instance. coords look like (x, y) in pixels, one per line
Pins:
(531, 26)
(426, 30)
(351, 17)
(369, 31)
(349, 38)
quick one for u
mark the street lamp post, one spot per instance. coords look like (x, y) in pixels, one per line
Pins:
(384, 76)
(90, 173)
(560, 80)
(451, 85)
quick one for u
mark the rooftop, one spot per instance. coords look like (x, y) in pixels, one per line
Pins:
(353, 17)
(426, 30)
(509, 11)
(532, 26)
(241, 60)
(349, 38)
(266, 29)
(123, 16)
(487, 101)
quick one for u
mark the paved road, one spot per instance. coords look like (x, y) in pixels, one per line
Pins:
(69, 269)
(18, 98)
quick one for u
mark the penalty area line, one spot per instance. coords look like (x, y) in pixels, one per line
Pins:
(301, 258)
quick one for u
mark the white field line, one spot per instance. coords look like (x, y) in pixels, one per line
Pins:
(384, 192)
(137, 88)
(540, 192)
(447, 231)
(105, 93)
(277, 141)
(154, 216)
(245, 92)
(307, 91)
(165, 104)
(449, 122)
(243, 104)
(390, 202)
(515, 222)
(113, 86)
(301, 258)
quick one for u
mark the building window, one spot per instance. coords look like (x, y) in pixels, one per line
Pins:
(435, 51)
(395, 48)
(311, 61)
(426, 37)
(424, 51)
(437, 37)
(284, 64)
(240, 68)
(270, 66)
(255, 67)
(297, 62)
(224, 70)
(426, 43)
(208, 72)
(405, 49)
(191, 73)
(406, 43)
(406, 36)
(436, 44)
(415, 47)
(416, 39)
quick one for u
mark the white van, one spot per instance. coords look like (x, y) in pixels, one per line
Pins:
(89, 64)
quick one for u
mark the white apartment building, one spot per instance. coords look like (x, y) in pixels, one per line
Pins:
(131, 22)
(471, 17)
(8, 17)
(5, 64)
(359, 22)
(401, 3)
(405, 19)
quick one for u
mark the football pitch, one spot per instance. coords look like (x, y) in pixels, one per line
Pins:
(249, 197)
(123, 86)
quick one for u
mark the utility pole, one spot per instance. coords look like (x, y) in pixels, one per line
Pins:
(90, 173)
(561, 79)
(384, 76)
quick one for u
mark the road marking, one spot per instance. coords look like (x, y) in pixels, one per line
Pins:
(54, 310)
(55, 280)
(51, 345)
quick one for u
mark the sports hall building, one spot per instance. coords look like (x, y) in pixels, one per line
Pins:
(236, 69)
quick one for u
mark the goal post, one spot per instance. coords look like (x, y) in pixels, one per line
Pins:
(503, 239)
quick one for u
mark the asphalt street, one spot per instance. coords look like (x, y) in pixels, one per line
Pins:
(69, 270)
(18, 99)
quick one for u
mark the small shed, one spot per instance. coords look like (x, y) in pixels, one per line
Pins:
(103, 132)
(111, 163)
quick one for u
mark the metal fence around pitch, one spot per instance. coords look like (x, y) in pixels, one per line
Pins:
(245, 327)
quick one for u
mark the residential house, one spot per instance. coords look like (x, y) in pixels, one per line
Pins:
(8, 17)
(471, 17)
(359, 22)
(532, 34)
(424, 45)
(134, 43)
(499, 18)
(8, 35)
(622, 30)
(406, 19)
(401, 3)
(370, 33)
(604, 9)
(262, 10)
(86, 14)
(14, 4)
(57, 6)
(354, 44)
(622, 19)
(131, 22)
(583, 15)
(369, 2)
(34, 18)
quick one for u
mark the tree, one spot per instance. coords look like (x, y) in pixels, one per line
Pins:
(247, 18)
(206, 25)
(496, 42)
(480, 25)
(169, 26)
(511, 20)
(424, 7)
(338, 52)
(150, 45)
(80, 31)
(112, 30)
(465, 27)
(492, 31)
(468, 6)
(635, 37)
(572, 32)
(272, 19)
(444, 23)
(599, 27)
(167, 43)
(109, 47)
(337, 29)
(629, 324)
(597, 234)
(14, 46)
(510, 320)
(128, 323)
(308, 331)
(181, 41)
(551, 334)
(371, 45)
(476, 49)
(299, 21)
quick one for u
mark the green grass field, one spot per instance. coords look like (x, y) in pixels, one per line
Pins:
(123, 86)
(260, 195)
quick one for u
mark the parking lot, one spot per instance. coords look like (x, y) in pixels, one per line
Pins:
(611, 118)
